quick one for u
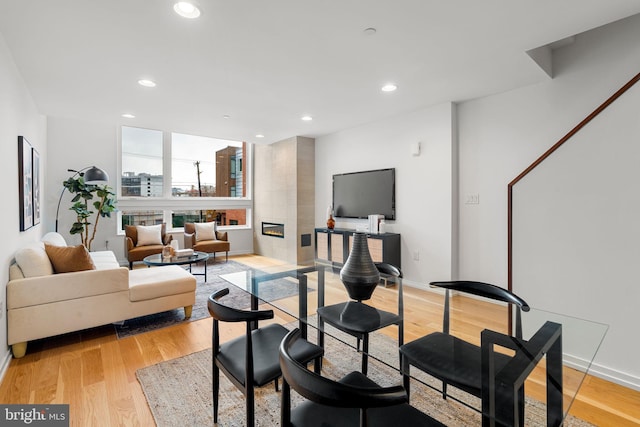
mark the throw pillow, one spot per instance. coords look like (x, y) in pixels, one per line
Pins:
(66, 259)
(205, 231)
(54, 238)
(33, 261)
(149, 235)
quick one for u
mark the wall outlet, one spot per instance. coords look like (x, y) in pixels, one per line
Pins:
(416, 256)
(472, 199)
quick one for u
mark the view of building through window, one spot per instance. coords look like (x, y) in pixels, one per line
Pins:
(178, 218)
(199, 167)
(206, 167)
(141, 162)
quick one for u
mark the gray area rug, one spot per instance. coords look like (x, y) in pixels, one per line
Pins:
(236, 298)
(179, 391)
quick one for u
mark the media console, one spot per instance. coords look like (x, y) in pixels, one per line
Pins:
(333, 246)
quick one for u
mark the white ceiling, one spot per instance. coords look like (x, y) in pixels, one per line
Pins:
(266, 63)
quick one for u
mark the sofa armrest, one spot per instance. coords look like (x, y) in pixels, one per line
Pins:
(221, 235)
(33, 291)
(189, 240)
(128, 245)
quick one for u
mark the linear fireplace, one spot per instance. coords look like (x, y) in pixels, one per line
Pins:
(273, 229)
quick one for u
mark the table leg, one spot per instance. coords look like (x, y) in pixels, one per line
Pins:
(302, 305)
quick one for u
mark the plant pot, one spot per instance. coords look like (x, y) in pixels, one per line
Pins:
(359, 274)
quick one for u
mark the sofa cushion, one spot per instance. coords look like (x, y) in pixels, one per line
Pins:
(36, 291)
(54, 238)
(205, 231)
(66, 259)
(150, 283)
(33, 260)
(149, 235)
(104, 260)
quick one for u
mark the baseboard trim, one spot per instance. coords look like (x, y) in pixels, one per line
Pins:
(603, 372)
(6, 361)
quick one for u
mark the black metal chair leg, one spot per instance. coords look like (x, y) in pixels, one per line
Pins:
(251, 416)
(365, 354)
(216, 389)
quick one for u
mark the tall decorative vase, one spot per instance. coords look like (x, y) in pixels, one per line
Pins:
(359, 274)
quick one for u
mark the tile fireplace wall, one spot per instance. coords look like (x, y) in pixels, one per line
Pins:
(284, 193)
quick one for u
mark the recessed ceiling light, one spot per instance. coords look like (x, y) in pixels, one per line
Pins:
(307, 118)
(147, 83)
(369, 31)
(259, 135)
(226, 116)
(128, 116)
(186, 9)
(389, 87)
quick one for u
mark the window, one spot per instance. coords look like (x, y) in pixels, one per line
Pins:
(205, 167)
(141, 163)
(220, 216)
(175, 178)
(141, 218)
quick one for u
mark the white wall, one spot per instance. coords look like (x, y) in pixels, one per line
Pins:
(499, 136)
(424, 184)
(18, 116)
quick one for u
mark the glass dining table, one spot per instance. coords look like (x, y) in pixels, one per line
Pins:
(551, 359)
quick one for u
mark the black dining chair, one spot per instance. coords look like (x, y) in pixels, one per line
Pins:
(451, 359)
(355, 400)
(251, 360)
(359, 319)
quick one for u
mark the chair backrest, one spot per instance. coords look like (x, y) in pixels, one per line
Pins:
(225, 313)
(189, 228)
(319, 389)
(388, 269)
(221, 312)
(393, 271)
(485, 290)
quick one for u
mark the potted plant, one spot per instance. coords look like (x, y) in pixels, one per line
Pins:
(104, 204)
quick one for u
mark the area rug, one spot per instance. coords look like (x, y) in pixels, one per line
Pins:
(179, 391)
(236, 298)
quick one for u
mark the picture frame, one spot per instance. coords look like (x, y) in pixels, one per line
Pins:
(35, 168)
(25, 183)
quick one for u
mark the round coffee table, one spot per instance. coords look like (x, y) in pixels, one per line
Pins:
(158, 260)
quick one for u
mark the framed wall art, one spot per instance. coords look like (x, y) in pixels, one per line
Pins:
(25, 180)
(35, 171)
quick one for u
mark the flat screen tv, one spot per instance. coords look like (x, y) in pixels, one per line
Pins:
(360, 194)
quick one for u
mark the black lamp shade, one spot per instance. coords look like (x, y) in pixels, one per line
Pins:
(95, 175)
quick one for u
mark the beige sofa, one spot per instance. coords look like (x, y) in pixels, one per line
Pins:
(41, 303)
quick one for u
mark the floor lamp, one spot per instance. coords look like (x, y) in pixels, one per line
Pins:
(91, 175)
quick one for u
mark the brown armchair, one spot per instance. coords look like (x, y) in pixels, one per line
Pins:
(209, 246)
(134, 253)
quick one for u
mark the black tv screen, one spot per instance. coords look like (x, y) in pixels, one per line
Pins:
(360, 194)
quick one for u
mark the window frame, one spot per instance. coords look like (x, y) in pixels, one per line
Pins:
(168, 203)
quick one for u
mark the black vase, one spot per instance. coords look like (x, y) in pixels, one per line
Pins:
(359, 274)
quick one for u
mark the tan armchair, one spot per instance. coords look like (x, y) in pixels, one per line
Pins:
(209, 246)
(134, 253)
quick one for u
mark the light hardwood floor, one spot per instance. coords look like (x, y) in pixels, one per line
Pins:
(95, 372)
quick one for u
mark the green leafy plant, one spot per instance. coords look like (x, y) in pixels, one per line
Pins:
(83, 202)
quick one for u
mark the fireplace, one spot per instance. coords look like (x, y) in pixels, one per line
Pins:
(273, 229)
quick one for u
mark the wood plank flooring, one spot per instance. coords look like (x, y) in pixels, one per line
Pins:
(94, 372)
